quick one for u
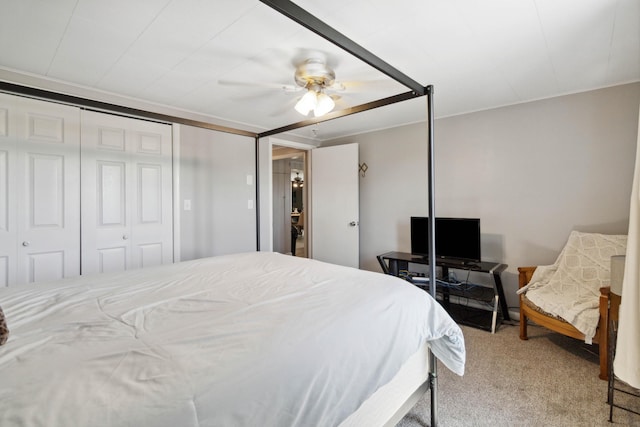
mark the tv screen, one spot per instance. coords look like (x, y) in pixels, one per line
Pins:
(456, 238)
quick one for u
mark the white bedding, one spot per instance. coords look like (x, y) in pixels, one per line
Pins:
(240, 340)
(570, 288)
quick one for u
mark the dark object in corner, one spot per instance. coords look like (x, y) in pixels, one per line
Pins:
(294, 237)
(4, 330)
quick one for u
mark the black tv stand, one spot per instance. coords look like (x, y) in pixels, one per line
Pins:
(397, 264)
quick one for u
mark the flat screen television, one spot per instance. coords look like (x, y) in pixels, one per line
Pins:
(457, 239)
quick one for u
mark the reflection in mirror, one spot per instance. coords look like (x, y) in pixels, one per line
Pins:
(297, 186)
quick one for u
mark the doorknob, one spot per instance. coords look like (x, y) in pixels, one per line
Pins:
(353, 223)
(125, 237)
(26, 243)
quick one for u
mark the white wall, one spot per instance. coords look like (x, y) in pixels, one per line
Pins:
(213, 175)
(531, 172)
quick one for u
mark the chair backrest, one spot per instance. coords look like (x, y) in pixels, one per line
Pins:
(617, 273)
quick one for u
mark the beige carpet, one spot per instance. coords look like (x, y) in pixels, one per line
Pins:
(549, 380)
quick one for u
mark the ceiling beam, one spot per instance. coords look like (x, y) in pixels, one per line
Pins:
(341, 113)
(307, 20)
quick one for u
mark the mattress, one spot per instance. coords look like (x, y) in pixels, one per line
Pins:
(238, 340)
(393, 400)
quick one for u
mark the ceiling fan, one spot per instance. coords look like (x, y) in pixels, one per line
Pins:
(314, 75)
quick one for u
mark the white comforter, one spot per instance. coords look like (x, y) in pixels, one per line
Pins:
(256, 339)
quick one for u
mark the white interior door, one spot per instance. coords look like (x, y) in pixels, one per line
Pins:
(335, 205)
(126, 193)
(39, 190)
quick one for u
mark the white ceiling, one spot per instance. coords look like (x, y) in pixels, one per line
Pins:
(227, 60)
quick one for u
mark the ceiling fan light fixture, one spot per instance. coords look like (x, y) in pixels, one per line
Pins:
(308, 102)
(324, 104)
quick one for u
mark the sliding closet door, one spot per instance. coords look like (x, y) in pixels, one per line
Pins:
(39, 190)
(126, 193)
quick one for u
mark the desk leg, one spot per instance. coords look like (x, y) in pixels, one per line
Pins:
(383, 265)
(503, 301)
(395, 266)
(494, 318)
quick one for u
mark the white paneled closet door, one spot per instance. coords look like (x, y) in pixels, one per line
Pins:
(39, 190)
(126, 193)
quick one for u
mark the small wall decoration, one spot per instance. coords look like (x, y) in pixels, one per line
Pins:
(363, 169)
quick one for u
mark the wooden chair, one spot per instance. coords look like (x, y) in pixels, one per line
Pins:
(529, 311)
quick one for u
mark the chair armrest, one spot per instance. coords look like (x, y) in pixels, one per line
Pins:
(525, 275)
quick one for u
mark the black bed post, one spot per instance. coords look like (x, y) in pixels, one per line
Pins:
(257, 182)
(433, 367)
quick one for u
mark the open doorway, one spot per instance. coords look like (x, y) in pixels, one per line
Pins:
(290, 231)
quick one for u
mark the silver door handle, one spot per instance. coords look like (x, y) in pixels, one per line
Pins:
(353, 223)
(125, 237)
(26, 243)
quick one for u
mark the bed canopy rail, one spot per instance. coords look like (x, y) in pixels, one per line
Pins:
(101, 106)
(341, 113)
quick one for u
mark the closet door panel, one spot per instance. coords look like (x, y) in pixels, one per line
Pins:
(45, 266)
(111, 178)
(47, 189)
(110, 230)
(7, 238)
(4, 191)
(45, 192)
(150, 254)
(126, 189)
(44, 219)
(4, 117)
(8, 224)
(152, 227)
(105, 228)
(4, 271)
(112, 259)
(150, 191)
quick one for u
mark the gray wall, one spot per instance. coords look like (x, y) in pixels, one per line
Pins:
(213, 175)
(531, 172)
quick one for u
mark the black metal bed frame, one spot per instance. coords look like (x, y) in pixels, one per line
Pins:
(309, 21)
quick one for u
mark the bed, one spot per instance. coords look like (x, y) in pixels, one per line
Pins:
(425, 375)
(246, 339)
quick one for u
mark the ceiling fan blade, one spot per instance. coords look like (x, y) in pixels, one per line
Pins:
(281, 86)
(284, 108)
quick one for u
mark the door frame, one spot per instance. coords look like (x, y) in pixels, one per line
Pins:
(305, 198)
(265, 160)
